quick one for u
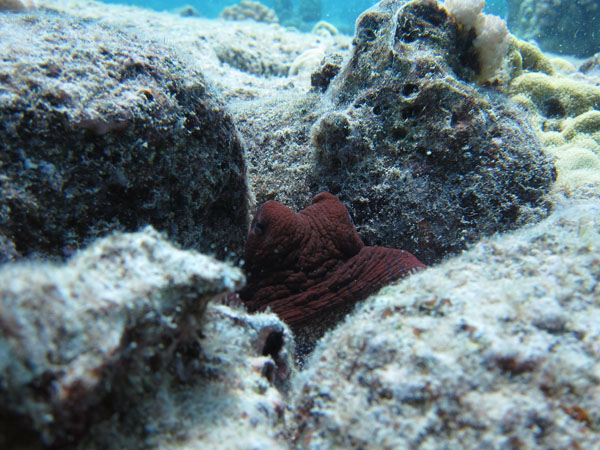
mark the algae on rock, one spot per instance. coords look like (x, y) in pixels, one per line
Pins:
(131, 345)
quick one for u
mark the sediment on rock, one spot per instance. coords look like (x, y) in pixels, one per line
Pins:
(71, 334)
(103, 131)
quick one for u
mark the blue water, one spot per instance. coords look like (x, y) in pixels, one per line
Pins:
(341, 13)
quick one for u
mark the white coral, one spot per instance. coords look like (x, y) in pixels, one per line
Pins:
(492, 36)
(465, 12)
(491, 43)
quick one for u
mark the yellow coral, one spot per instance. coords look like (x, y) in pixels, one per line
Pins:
(587, 124)
(576, 97)
(526, 57)
(576, 165)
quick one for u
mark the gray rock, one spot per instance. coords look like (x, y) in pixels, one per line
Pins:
(424, 158)
(497, 348)
(104, 131)
(71, 334)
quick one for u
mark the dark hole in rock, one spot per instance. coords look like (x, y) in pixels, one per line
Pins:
(409, 89)
(553, 108)
(367, 35)
(268, 371)
(399, 133)
(407, 31)
(273, 344)
(368, 27)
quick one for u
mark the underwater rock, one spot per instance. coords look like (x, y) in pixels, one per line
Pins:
(102, 132)
(329, 68)
(105, 322)
(496, 348)
(591, 66)
(224, 390)
(564, 27)
(254, 59)
(16, 5)
(325, 29)
(249, 10)
(425, 159)
(188, 11)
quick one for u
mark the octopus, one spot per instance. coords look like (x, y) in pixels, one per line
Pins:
(312, 267)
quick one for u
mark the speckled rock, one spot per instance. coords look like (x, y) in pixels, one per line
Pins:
(566, 27)
(102, 131)
(496, 348)
(425, 159)
(121, 309)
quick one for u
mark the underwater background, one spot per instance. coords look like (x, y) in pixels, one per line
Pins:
(341, 13)
(308, 224)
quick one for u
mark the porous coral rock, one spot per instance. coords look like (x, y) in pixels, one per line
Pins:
(71, 334)
(249, 10)
(103, 131)
(225, 390)
(425, 160)
(496, 348)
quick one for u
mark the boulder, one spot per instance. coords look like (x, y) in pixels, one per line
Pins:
(426, 159)
(103, 131)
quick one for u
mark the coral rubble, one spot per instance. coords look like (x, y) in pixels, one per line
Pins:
(101, 132)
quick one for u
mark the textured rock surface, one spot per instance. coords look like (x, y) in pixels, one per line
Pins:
(101, 131)
(224, 390)
(496, 348)
(248, 10)
(567, 27)
(426, 161)
(15, 5)
(71, 334)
